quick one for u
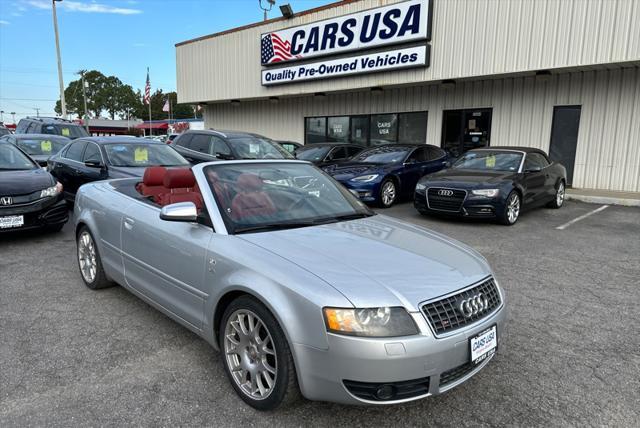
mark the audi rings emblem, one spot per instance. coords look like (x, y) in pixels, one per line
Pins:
(473, 305)
(445, 192)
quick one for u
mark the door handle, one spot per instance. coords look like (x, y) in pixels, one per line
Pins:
(128, 223)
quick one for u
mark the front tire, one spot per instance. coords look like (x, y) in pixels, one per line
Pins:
(89, 261)
(558, 201)
(256, 356)
(388, 193)
(511, 212)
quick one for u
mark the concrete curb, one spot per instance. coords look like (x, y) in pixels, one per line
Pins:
(606, 200)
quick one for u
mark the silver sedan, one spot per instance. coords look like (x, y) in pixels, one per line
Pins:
(302, 287)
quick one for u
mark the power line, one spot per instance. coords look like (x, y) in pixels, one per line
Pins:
(26, 99)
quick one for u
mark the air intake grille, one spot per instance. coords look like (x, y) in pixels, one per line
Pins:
(442, 199)
(444, 315)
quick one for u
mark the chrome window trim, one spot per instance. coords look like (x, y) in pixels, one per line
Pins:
(99, 151)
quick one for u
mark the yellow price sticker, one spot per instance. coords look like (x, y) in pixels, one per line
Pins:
(490, 161)
(45, 146)
(66, 132)
(141, 155)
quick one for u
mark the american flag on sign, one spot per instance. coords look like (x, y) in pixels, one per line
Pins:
(147, 89)
(274, 49)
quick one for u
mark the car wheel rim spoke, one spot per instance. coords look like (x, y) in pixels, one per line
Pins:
(513, 209)
(250, 354)
(388, 193)
(560, 195)
(87, 257)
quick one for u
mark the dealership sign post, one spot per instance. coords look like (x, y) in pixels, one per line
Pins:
(404, 23)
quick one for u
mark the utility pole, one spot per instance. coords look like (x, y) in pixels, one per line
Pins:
(1, 116)
(84, 95)
(37, 111)
(63, 104)
(13, 117)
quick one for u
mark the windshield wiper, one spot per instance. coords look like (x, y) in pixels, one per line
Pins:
(353, 216)
(274, 226)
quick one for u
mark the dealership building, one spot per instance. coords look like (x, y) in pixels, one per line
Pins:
(559, 75)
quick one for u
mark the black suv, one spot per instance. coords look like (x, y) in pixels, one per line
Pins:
(51, 125)
(210, 145)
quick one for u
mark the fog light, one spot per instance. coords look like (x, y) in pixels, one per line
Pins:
(385, 392)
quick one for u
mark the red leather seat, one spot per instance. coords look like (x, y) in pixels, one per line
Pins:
(180, 185)
(251, 201)
(220, 189)
(153, 182)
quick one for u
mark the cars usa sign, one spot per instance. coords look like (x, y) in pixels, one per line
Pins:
(402, 22)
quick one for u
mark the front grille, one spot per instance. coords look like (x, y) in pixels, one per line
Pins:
(444, 315)
(452, 202)
(393, 390)
(456, 373)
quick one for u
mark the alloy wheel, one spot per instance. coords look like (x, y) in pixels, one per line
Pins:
(560, 195)
(388, 193)
(513, 208)
(87, 257)
(250, 353)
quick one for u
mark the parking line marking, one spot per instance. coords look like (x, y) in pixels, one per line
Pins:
(582, 217)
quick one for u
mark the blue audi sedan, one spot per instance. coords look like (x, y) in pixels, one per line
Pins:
(383, 174)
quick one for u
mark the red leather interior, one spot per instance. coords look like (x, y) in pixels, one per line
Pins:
(251, 201)
(220, 189)
(152, 182)
(180, 185)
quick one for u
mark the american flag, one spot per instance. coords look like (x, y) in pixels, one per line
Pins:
(147, 89)
(274, 49)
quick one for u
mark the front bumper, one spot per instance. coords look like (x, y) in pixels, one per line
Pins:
(436, 364)
(473, 206)
(47, 212)
(366, 192)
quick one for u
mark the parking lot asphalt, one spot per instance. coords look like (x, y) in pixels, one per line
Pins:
(571, 355)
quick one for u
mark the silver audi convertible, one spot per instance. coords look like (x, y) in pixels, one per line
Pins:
(303, 289)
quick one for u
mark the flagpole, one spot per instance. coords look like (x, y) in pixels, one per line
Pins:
(150, 133)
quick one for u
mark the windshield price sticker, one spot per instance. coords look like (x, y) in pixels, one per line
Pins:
(490, 161)
(45, 146)
(141, 155)
(66, 132)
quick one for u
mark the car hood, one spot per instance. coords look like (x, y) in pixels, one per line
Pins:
(347, 170)
(378, 261)
(24, 182)
(467, 176)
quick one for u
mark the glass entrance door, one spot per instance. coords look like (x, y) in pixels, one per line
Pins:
(464, 130)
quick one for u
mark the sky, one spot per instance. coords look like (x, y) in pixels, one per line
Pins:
(116, 37)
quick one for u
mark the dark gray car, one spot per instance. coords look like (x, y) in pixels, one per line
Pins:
(39, 146)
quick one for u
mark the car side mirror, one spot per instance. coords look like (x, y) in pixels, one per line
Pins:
(410, 162)
(533, 169)
(181, 211)
(93, 164)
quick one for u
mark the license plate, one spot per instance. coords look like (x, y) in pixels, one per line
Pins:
(8, 222)
(483, 345)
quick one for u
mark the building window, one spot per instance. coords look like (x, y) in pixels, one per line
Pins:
(412, 128)
(338, 129)
(368, 130)
(464, 130)
(315, 130)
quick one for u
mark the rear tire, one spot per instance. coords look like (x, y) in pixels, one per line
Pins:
(89, 261)
(558, 201)
(511, 212)
(257, 360)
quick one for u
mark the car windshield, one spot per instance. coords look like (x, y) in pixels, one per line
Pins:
(257, 197)
(251, 147)
(69, 131)
(12, 159)
(489, 160)
(41, 146)
(384, 154)
(313, 154)
(4, 131)
(143, 154)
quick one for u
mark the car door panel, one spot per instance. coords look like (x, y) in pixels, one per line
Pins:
(166, 261)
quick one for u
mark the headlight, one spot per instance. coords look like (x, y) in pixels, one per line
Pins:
(51, 191)
(489, 193)
(372, 322)
(421, 187)
(365, 178)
